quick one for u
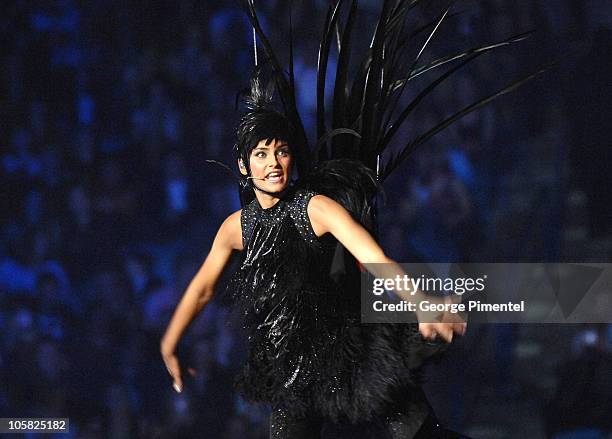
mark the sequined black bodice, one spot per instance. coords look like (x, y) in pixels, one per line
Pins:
(294, 207)
(281, 238)
(308, 350)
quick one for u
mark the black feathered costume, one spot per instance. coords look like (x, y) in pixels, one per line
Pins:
(308, 348)
(310, 357)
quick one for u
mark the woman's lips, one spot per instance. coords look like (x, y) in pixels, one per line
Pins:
(275, 177)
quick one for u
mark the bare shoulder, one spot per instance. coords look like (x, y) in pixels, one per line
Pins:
(324, 212)
(321, 205)
(234, 219)
(230, 231)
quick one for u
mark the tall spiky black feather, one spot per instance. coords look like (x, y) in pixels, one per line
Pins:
(285, 88)
(365, 114)
(258, 120)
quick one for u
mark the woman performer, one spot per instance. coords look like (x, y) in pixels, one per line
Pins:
(310, 357)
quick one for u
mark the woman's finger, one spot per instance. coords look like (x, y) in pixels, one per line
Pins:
(178, 383)
(460, 328)
(177, 387)
(428, 331)
(447, 334)
(173, 367)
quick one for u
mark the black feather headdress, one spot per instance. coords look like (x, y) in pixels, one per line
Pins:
(366, 114)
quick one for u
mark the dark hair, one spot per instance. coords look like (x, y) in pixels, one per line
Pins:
(258, 125)
(260, 122)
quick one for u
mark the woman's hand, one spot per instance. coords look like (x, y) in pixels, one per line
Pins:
(174, 369)
(444, 329)
(444, 323)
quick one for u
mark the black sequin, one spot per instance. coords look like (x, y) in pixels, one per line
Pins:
(309, 353)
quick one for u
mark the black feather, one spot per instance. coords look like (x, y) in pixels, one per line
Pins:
(348, 182)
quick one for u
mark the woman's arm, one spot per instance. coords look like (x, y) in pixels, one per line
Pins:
(200, 291)
(327, 216)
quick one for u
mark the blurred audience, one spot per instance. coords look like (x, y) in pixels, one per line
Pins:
(109, 112)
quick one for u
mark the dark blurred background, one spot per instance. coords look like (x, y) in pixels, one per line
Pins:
(108, 111)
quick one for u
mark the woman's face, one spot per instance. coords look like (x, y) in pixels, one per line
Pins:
(270, 165)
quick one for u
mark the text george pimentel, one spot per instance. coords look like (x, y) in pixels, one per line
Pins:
(456, 285)
(472, 305)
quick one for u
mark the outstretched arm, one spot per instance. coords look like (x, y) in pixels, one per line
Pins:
(327, 216)
(199, 292)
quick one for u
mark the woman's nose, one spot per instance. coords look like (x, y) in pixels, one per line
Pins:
(274, 160)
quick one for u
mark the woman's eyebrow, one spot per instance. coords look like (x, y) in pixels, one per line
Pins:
(284, 145)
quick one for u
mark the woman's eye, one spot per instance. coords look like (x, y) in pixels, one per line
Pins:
(260, 154)
(283, 153)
